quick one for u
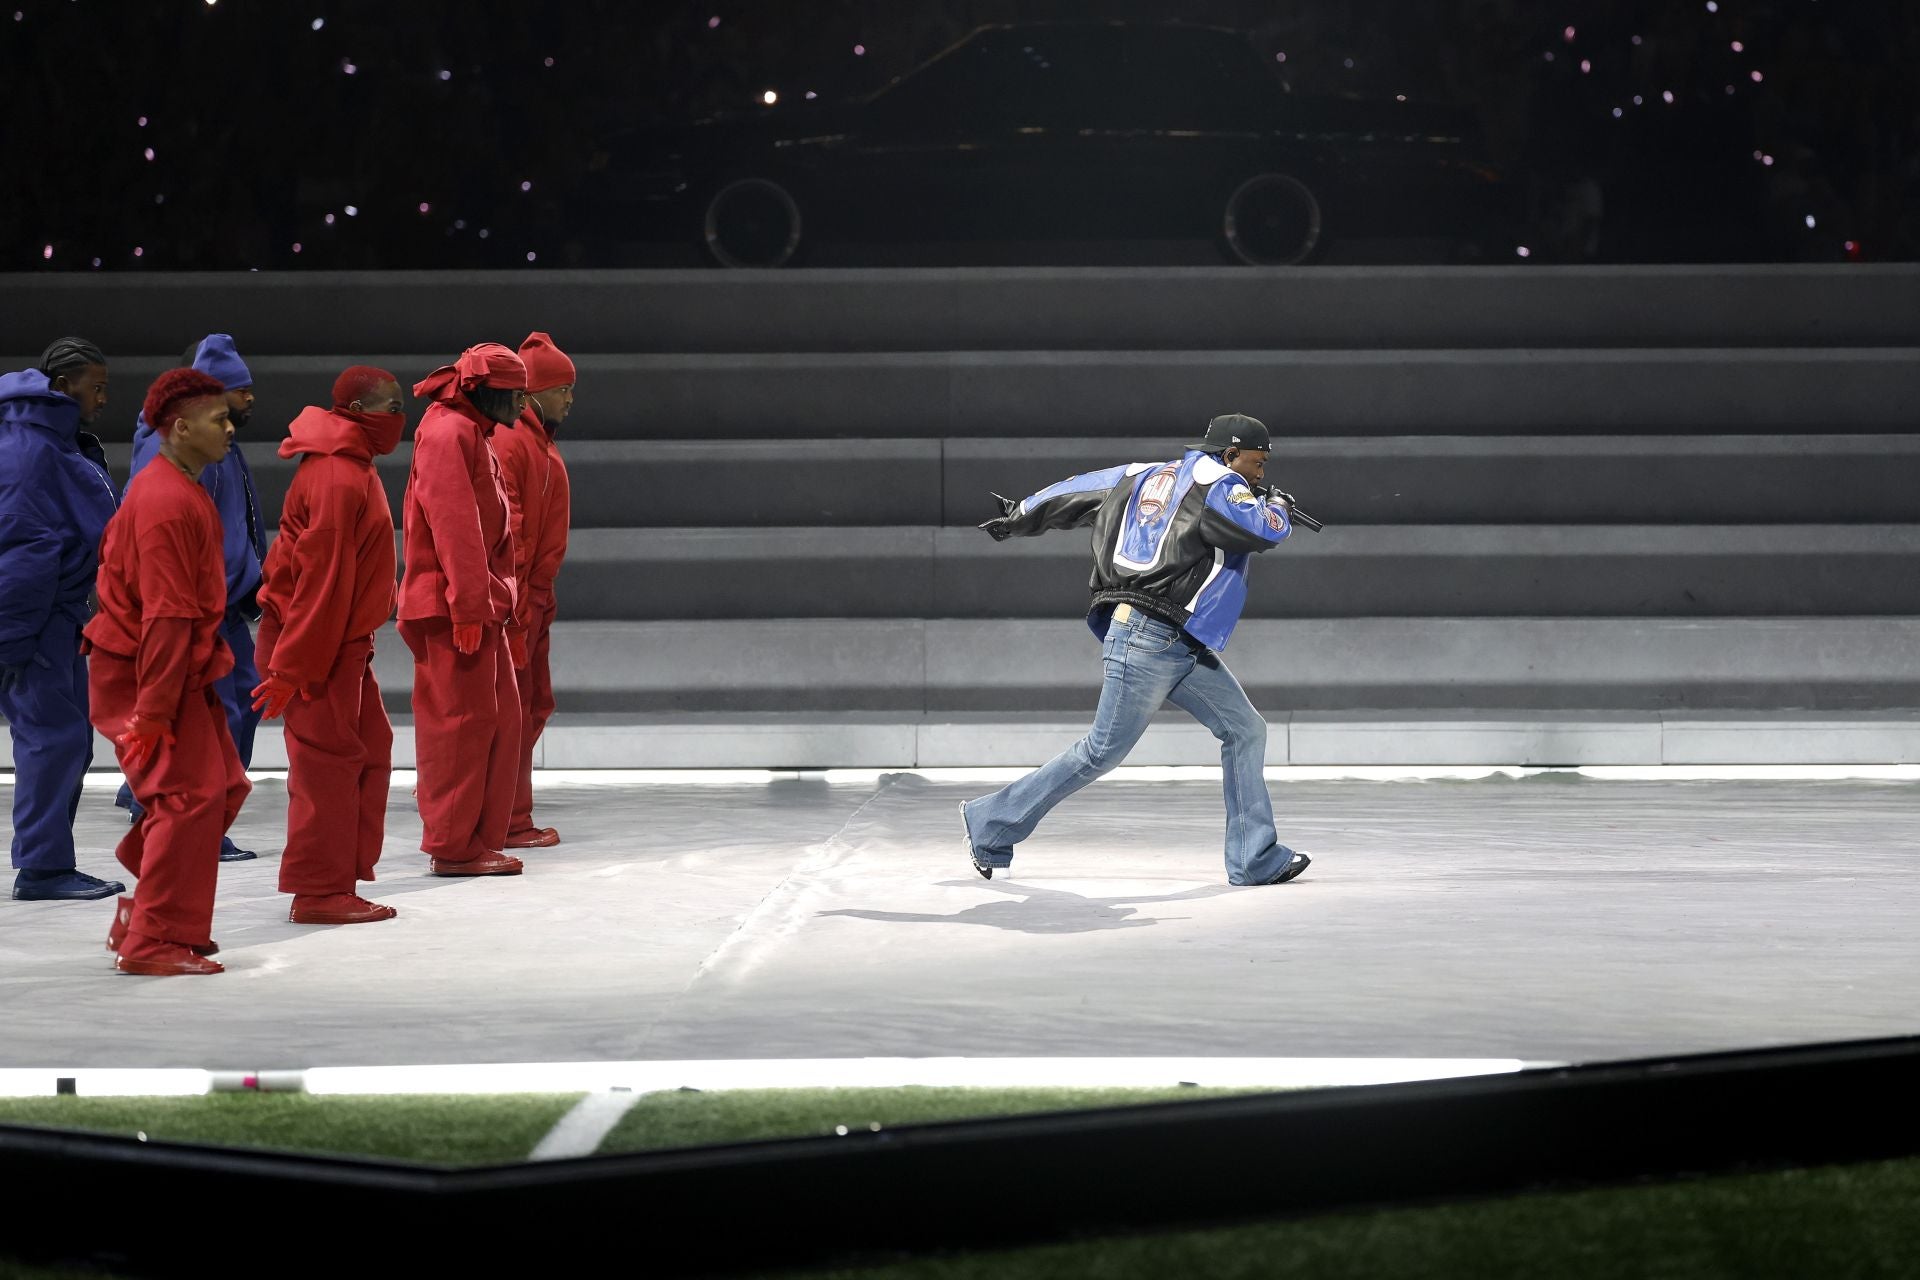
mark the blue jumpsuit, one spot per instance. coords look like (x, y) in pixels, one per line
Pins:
(55, 500)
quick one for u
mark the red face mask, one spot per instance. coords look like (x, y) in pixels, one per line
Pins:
(383, 429)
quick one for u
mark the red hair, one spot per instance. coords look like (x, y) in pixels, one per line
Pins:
(172, 391)
(357, 383)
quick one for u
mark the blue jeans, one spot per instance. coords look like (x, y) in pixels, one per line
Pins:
(1149, 662)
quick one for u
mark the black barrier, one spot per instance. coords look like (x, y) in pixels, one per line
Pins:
(169, 1209)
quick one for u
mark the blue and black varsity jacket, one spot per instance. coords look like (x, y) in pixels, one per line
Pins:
(1169, 538)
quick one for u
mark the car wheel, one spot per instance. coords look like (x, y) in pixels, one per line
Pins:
(751, 222)
(1272, 220)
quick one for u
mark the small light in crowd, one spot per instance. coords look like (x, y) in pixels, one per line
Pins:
(296, 246)
(859, 51)
(1399, 97)
(459, 224)
(211, 3)
(1712, 7)
(1617, 113)
(531, 255)
(149, 153)
(318, 23)
(138, 251)
(1549, 55)
(160, 198)
(546, 62)
(1759, 155)
(96, 261)
(353, 211)
(1666, 96)
(811, 95)
(713, 22)
(425, 207)
(1738, 47)
(1586, 66)
(1568, 35)
(1811, 224)
(445, 74)
(1757, 77)
(1280, 56)
(20, 15)
(47, 252)
(484, 233)
(1523, 252)
(329, 219)
(1638, 100)
(1851, 246)
(1636, 42)
(1767, 161)
(142, 122)
(769, 97)
(346, 65)
(1347, 63)
(526, 186)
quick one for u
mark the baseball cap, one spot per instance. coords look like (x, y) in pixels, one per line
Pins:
(1234, 431)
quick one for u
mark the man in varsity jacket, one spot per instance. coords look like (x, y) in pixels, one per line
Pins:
(1171, 542)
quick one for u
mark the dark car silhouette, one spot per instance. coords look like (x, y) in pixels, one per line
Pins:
(1039, 131)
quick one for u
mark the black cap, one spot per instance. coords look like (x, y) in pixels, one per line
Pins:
(1234, 431)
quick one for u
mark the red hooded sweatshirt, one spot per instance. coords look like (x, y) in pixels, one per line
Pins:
(536, 482)
(329, 575)
(456, 545)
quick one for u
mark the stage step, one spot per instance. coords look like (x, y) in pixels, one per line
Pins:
(346, 314)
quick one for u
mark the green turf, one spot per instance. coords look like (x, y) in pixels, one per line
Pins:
(435, 1130)
(740, 1115)
(1842, 1223)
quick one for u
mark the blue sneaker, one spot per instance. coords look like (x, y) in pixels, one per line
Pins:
(62, 886)
(974, 856)
(231, 852)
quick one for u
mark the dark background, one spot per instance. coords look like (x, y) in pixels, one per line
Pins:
(467, 135)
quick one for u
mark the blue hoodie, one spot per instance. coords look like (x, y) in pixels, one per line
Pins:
(229, 481)
(55, 501)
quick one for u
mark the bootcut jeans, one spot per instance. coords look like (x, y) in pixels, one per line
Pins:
(1148, 662)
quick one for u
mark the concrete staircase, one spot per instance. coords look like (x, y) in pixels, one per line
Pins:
(1575, 515)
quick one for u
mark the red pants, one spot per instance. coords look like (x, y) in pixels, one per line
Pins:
(536, 705)
(466, 738)
(339, 759)
(190, 790)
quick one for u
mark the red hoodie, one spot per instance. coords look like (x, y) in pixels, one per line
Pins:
(455, 535)
(537, 487)
(329, 576)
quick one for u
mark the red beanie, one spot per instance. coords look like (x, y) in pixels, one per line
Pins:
(547, 365)
(358, 383)
(172, 391)
(487, 365)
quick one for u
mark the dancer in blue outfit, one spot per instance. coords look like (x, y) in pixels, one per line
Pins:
(230, 483)
(55, 499)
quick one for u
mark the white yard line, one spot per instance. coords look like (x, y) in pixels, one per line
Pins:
(581, 1131)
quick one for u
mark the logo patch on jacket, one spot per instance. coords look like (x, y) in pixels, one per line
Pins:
(1155, 492)
(1241, 496)
(1273, 519)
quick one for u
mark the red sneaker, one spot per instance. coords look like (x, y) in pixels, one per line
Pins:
(123, 918)
(487, 864)
(533, 838)
(337, 908)
(152, 958)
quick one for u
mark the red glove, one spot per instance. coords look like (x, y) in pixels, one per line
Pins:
(271, 696)
(140, 738)
(517, 647)
(466, 637)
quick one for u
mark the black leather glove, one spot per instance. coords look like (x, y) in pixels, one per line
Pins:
(1001, 526)
(1268, 492)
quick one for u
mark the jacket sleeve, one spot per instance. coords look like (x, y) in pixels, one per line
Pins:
(165, 575)
(550, 547)
(1072, 503)
(319, 596)
(512, 458)
(160, 668)
(1235, 521)
(443, 486)
(29, 564)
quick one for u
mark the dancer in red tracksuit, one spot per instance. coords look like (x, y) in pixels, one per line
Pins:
(327, 587)
(456, 608)
(536, 484)
(156, 653)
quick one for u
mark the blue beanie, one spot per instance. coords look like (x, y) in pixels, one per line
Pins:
(217, 358)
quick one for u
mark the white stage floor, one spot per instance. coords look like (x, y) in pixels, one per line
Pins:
(1551, 918)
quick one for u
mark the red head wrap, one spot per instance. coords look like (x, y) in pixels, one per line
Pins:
(547, 365)
(358, 383)
(487, 365)
(172, 391)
